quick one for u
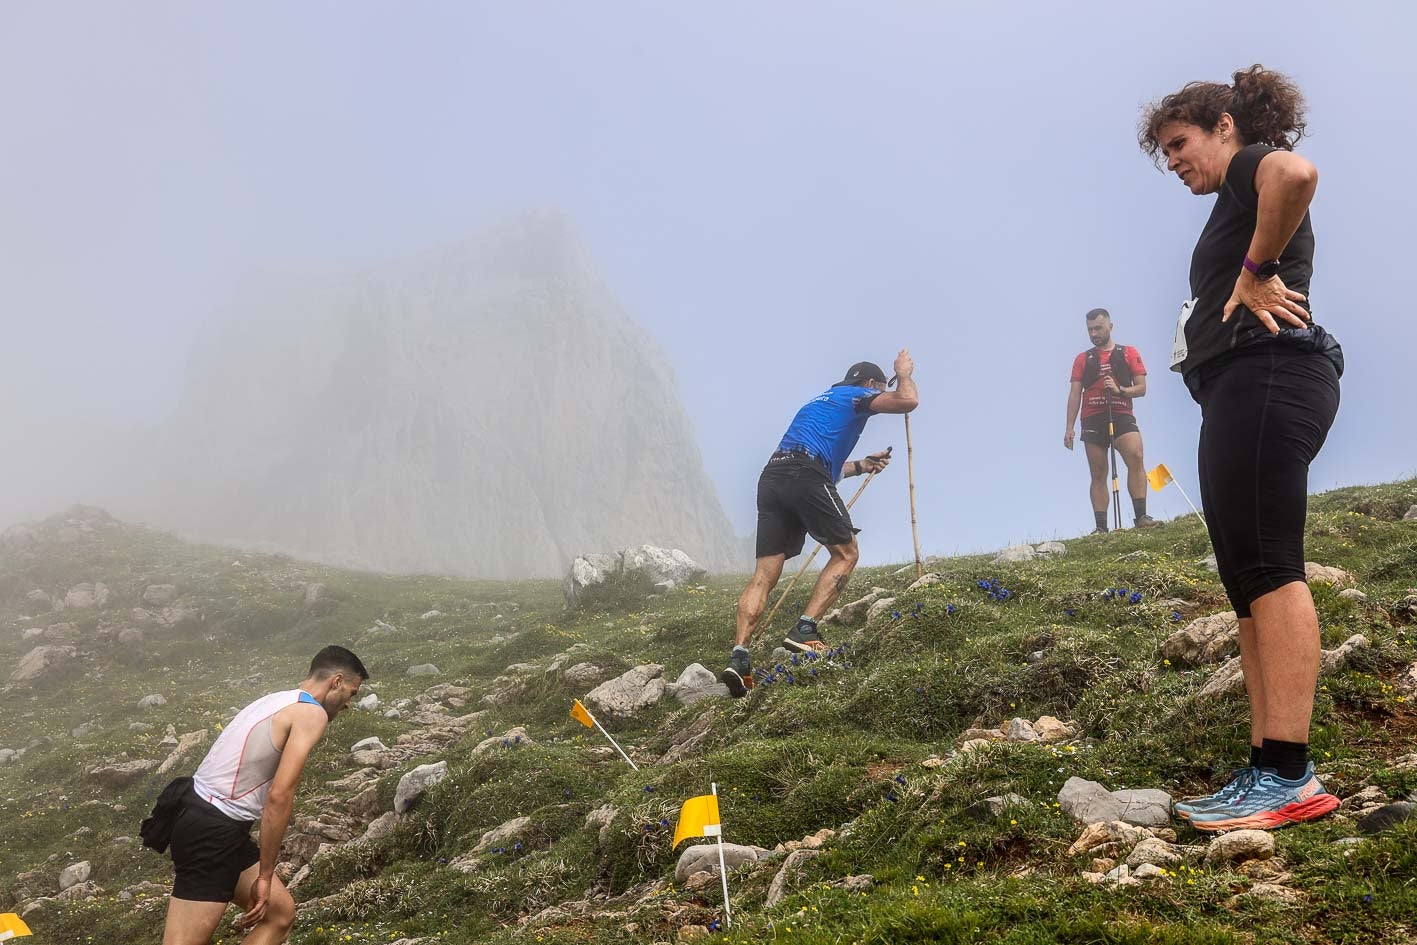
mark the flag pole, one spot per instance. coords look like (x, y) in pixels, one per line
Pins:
(613, 742)
(1187, 498)
(910, 474)
(808, 563)
(722, 869)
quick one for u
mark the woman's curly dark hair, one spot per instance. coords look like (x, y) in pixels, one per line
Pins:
(1268, 108)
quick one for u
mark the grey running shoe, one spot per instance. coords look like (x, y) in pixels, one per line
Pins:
(1240, 780)
(804, 638)
(1270, 802)
(738, 677)
(1146, 521)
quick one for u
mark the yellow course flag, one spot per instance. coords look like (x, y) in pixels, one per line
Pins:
(582, 715)
(12, 926)
(1159, 477)
(697, 818)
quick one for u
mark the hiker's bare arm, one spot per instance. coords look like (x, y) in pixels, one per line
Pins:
(905, 397)
(307, 724)
(1074, 404)
(1138, 388)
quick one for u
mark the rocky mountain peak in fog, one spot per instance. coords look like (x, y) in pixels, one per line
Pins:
(487, 409)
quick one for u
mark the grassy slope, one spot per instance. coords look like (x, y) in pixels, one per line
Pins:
(838, 748)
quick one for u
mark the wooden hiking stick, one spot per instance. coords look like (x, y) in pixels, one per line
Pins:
(910, 471)
(808, 563)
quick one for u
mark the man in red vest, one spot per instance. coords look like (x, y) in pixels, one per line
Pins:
(1109, 375)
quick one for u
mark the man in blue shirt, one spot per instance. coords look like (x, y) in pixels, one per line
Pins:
(797, 497)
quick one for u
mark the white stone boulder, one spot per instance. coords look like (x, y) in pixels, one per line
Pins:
(41, 660)
(695, 683)
(703, 858)
(1014, 553)
(1208, 639)
(415, 784)
(74, 874)
(629, 692)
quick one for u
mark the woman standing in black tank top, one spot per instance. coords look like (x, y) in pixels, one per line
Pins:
(1266, 378)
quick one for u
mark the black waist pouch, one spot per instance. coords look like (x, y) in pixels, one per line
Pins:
(1314, 339)
(156, 829)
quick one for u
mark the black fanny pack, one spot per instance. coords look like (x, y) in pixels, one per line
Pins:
(1311, 340)
(156, 829)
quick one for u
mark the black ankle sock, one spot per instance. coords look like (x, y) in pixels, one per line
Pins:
(1101, 518)
(1288, 759)
(1254, 756)
(1139, 506)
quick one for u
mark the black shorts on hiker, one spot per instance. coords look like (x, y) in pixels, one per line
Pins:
(1266, 411)
(797, 499)
(1094, 428)
(210, 851)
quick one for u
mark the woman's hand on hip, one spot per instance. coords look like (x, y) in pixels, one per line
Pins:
(1270, 299)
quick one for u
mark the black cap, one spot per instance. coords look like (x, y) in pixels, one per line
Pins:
(863, 371)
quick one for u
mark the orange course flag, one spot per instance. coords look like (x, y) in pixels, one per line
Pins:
(582, 715)
(12, 926)
(1159, 477)
(697, 818)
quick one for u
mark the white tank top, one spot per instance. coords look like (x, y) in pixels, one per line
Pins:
(236, 774)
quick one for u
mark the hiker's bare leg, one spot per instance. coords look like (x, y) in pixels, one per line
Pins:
(832, 581)
(191, 922)
(1097, 469)
(754, 598)
(274, 926)
(1287, 641)
(1254, 679)
(1130, 449)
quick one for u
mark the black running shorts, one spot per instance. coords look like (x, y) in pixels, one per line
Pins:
(796, 500)
(1094, 428)
(1265, 414)
(210, 852)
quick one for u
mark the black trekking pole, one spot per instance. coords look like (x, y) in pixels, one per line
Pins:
(1112, 451)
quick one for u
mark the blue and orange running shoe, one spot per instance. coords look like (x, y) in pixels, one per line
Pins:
(1240, 781)
(1269, 802)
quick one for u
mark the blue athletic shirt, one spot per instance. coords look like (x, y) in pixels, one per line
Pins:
(829, 426)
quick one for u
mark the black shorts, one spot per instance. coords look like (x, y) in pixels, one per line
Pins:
(1094, 428)
(210, 851)
(796, 499)
(1265, 414)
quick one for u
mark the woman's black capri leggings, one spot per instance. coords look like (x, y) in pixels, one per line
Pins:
(1265, 413)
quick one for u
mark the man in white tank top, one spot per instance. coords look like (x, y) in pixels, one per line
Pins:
(249, 775)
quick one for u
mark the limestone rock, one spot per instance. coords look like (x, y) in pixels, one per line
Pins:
(582, 673)
(130, 636)
(159, 594)
(1051, 730)
(1107, 836)
(704, 858)
(415, 783)
(1238, 846)
(512, 738)
(1147, 871)
(1230, 677)
(372, 743)
(626, 694)
(1387, 816)
(1411, 514)
(1145, 807)
(1021, 730)
(381, 826)
(423, 669)
(41, 660)
(1274, 893)
(1156, 852)
(1088, 802)
(369, 703)
(854, 613)
(661, 568)
(1353, 594)
(880, 606)
(85, 596)
(1015, 553)
(1051, 549)
(119, 776)
(8, 755)
(504, 835)
(992, 808)
(600, 820)
(1322, 574)
(314, 593)
(80, 891)
(1338, 659)
(1204, 640)
(924, 581)
(186, 743)
(75, 873)
(787, 875)
(696, 683)
(1407, 680)
(152, 701)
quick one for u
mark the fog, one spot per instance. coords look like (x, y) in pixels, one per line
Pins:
(768, 191)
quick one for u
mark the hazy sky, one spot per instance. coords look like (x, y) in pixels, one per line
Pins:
(774, 190)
